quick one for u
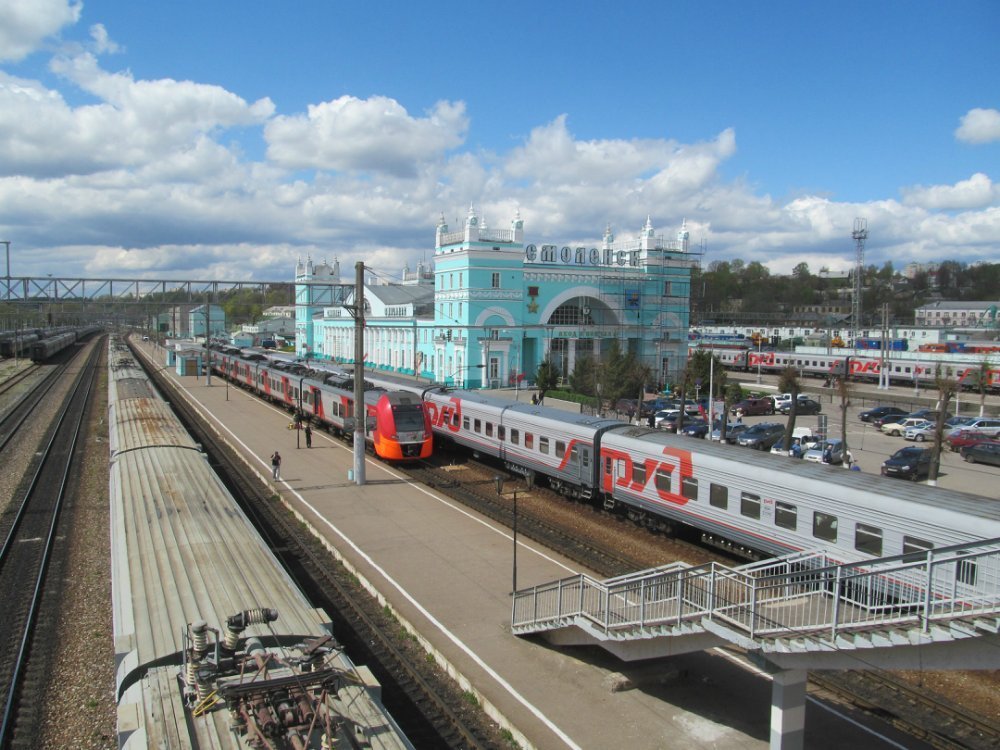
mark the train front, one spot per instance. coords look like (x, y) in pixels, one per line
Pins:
(403, 427)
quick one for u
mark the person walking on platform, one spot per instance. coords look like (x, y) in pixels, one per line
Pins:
(309, 436)
(276, 465)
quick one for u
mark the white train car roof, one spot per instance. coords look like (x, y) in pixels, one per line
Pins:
(527, 413)
(182, 551)
(766, 473)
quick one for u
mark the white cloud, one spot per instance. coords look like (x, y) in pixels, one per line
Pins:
(979, 126)
(135, 122)
(976, 192)
(103, 44)
(25, 24)
(376, 134)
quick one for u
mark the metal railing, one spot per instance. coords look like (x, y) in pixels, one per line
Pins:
(799, 594)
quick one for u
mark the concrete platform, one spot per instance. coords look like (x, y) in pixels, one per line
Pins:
(446, 572)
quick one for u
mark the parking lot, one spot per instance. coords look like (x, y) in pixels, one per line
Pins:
(870, 447)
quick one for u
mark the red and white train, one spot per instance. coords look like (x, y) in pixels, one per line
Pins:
(737, 499)
(397, 427)
(963, 368)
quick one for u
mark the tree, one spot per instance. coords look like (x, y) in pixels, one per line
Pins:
(844, 403)
(980, 378)
(946, 390)
(583, 379)
(546, 378)
(789, 383)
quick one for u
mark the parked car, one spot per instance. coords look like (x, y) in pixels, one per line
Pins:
(785, 399)
(882, 421)
(982, 453)
(898, 428)
(958, 439)
(802, 440)
(829, 452)
(761, 436)
(870, 415)
(651, 406)
(987, 425)
(920, 432)
(696, 428)
(666, 420)
(929, 414)
(733, 432)
(910, 462)
(805, 406)
(754, 405)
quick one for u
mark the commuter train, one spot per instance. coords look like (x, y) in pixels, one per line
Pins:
(757, 505)
(50, 345)
(864, 367)
(398, 426)
(18, 343)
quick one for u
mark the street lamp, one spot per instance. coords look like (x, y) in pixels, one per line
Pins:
(498, 481)
(759, 342)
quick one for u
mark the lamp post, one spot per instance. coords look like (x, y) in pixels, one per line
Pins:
(6, 244)
(498, 480)
(759, 342)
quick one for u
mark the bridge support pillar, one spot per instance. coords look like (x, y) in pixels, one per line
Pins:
(788, 709)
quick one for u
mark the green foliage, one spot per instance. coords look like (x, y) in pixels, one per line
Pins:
(583, 379)
(546, 378)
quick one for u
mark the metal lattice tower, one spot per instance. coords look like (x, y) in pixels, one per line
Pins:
(860, 234)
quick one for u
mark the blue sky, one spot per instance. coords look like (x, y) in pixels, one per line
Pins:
(225, 139)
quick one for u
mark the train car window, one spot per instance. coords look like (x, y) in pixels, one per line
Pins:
(465, 423)
(662, 479)
(501, 433)
(786, 515)
(912, 544)
(515, 436)
(543, 445)
(718, 496)
(560, 449)
(868, 539)
(825, 526)
(689, 488)
(639, 473)
(489, 429)
(749, 505)
(477, 425)
(529, 440)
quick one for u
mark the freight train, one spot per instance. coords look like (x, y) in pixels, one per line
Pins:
(47, 347)
(397, 427)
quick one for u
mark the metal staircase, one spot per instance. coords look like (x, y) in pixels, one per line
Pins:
(800, 604)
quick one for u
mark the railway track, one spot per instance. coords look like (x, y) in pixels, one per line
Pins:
(20, 376)
(431, 710)
(28, 551)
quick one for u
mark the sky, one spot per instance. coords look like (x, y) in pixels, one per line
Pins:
(225, 140)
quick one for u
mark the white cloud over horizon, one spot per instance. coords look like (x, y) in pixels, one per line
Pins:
(151, 177)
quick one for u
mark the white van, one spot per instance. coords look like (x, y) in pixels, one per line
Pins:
(785, 399)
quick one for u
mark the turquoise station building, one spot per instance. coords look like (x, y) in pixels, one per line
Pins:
(494, 306)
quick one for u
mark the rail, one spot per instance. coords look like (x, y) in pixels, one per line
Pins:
(796, 595)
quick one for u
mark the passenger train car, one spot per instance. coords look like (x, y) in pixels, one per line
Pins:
(868, 366)
(739, 500)
(397, 427)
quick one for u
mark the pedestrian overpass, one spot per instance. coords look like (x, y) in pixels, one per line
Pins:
(937, 609)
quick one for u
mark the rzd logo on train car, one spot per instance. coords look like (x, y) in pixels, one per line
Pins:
(761, 358)
(664, 476)
(445, 415)
(865, 367)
